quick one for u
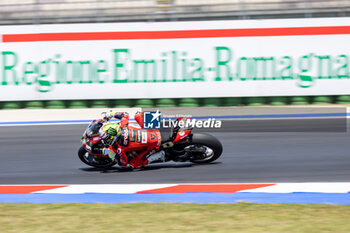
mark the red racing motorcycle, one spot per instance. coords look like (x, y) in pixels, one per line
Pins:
(181, 145)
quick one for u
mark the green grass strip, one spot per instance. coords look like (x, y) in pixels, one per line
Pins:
(172, 217)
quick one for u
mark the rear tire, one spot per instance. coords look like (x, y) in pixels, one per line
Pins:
(82, 156)
(208, 141)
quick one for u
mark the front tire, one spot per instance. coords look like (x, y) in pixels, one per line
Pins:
(100, 163)
(208, 141)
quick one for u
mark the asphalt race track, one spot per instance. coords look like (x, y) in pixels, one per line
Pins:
(48, 155)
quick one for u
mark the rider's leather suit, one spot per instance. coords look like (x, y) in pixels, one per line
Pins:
(142, 142)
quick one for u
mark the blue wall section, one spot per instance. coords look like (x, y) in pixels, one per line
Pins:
(295, 198)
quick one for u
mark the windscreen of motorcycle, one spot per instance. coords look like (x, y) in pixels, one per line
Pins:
(93, 129)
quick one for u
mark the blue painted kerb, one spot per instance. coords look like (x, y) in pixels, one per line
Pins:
(291, 198)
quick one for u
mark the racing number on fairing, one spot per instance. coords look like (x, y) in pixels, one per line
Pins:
(153, 136)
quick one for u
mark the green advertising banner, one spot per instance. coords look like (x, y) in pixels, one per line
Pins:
(171, 60)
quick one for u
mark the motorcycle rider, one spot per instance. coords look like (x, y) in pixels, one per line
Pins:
(121, 138)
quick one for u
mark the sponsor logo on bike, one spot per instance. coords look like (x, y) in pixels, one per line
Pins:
(126, 137)
(159, 138)
(144, 137)
(132, 135)
(181, 133)
(138, 136)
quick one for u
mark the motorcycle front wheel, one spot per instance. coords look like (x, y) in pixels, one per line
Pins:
(100, 162)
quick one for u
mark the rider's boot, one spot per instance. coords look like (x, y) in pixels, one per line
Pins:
(140, 160)
(109, 153)
(156, 156)
(120, 158)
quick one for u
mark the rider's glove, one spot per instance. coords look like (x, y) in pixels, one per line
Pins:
(107, 115)
(120, 115)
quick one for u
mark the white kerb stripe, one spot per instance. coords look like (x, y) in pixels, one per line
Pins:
(118, 188)
(304, 187)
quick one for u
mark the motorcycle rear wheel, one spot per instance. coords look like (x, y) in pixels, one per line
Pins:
(207, 141)
(100, 163)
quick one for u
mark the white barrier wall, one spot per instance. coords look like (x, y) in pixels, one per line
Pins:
(176, 59)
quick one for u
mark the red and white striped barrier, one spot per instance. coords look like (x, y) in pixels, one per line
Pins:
(178, 188)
